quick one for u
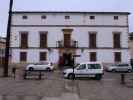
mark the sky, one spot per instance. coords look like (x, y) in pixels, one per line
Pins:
(65, 5)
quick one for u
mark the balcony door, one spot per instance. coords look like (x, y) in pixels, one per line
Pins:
(92, 40)
(24, 40)
(67, 40)
(117, 40)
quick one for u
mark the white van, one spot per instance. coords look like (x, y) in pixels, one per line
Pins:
(87, 69)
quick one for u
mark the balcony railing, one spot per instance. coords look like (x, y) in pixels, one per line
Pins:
(62, 44)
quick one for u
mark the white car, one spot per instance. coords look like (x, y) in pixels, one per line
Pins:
(123, 67)
(40, 66)
(87, 69)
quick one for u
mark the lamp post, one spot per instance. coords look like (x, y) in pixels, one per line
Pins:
(6, 62)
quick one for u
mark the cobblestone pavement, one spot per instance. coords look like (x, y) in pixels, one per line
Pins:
(54, 87)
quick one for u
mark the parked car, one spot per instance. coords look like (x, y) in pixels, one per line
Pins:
(131, 62)
(87, 69)
(48, 66)
(123, 67)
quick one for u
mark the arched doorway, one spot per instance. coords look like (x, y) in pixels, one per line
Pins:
(66, 59)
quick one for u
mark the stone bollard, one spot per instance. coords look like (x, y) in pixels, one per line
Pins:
(122, 78)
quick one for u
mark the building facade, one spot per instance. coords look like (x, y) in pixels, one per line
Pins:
(69, 37)
(2, 49)
(131, 44)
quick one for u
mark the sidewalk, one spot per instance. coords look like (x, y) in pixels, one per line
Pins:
(55, 87)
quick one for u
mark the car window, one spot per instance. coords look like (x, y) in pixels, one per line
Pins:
(42, 63)
(36, 64)
(94, 66)
(114, 65)
(45, 63)
(81, 67)
(123, 65)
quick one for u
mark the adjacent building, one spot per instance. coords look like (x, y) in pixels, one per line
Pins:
(2, 49)
(131, 44)
(69, 37)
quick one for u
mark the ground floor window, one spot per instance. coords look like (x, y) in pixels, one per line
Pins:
(43, 56)
(117, 56)
(93, 56)
(23, 56)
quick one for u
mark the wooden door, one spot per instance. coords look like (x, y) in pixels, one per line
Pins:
(43, 40)
(116, 40)
(24, 40)
(67, 40)
(92, 41)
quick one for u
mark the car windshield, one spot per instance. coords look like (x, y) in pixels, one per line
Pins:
(76, 65)
(81, 67)
(114, 64)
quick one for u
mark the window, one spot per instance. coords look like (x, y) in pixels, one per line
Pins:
(93, 56)
(43, 17)
(24, 40)
(131, 37)
(116, 17)
(92, 40)
(23, 56)
(43, 39)
(116, 40)
(117, 56)
(24, 17)
(81, 67)
(43, 56)
(123, 65)
(94, 66)
(67, 17)
(92, 17)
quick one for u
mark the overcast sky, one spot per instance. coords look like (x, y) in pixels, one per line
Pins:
(65, 5)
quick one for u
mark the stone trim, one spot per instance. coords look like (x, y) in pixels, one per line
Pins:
(105, 26)
(70, 48)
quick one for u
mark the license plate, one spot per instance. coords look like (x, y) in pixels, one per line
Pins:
(91, 75)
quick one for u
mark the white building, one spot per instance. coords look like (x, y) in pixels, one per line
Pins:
(58, 36)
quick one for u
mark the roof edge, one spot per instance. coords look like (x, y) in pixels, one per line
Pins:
(20, 12)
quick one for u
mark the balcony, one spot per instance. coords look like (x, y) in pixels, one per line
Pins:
(70, 44)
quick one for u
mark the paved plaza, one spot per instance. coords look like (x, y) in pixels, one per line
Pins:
(54, 87)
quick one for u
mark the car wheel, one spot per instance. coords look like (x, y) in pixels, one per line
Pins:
(98, 77)
(113, 70)
(71, 76)
(48, 69)
(31, 69)
(129, 70)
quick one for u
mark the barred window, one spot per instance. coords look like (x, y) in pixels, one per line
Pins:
(43, 17)
(116, 17)
(24, 17)
(92, 17)
(23, 56)
(67, 17)
(93, 56)
(43, 56)
(117, 56)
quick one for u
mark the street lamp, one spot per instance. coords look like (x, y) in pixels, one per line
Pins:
(6, 62)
